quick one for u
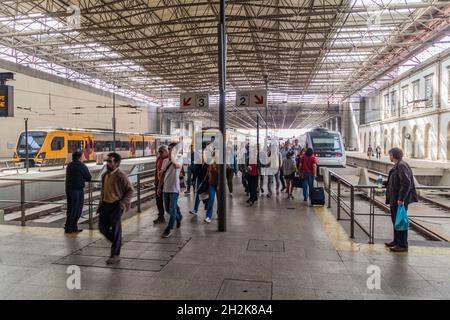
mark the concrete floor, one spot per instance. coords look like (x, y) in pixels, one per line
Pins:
(279, 249)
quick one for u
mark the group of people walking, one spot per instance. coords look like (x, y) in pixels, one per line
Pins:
(282, 168)
(289, 163)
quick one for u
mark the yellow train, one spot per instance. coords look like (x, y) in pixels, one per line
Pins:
(60, 143)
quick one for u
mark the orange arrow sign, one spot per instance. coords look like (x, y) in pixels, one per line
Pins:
(259, 99)
(187, 102)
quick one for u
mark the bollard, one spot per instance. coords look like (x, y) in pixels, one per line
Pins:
(329, 189)
(352, 212)
(139, 193)
(91, 226)
(22, 203)
(339, 199)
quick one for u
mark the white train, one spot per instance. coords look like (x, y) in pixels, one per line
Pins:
(327, 146)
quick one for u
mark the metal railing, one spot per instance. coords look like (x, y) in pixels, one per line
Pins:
(91, 187)
(368, 192)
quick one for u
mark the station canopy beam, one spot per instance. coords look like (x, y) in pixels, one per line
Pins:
(313, 51)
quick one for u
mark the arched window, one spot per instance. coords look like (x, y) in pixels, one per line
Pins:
(414, 151)
(392, 137)
(404, 139)
(385, 141)
(426, 142)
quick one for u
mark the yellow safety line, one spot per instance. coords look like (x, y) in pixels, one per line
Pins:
(341, 241)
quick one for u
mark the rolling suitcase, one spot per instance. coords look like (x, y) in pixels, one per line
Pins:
(317, 195)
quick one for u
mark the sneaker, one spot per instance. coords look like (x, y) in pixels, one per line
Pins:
(231, 194)
(113, 260)
(187, 192)
(390, 244)
(282, 189)
(159, 220)
(193, 212)
(292, 197)
(166, 234)
(269, 195)
(208, 220)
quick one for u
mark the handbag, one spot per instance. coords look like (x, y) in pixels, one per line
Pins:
(401, 219)
(297, 182)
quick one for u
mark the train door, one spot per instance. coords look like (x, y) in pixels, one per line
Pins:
(88, 148)
(74, 145)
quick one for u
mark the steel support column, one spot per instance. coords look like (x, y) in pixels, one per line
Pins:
(222, 55)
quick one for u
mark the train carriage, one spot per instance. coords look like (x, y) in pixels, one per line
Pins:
(60, 143)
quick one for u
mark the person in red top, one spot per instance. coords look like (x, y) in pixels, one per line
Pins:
(308, 171)
(252, 174)
(163, 153)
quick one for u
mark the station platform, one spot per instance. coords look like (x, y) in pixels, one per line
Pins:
(413, 162)
(277, 249)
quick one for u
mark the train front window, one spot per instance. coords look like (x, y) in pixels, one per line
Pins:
(35, 141)
(326, 142)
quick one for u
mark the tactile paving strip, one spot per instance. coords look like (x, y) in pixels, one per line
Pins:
(139, 253)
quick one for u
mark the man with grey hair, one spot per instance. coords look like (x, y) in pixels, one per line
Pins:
(400, 190)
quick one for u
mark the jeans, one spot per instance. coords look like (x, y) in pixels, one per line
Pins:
(75, 200)
(269, 184)
(308, 181)
(212, 194)
(245, 181)
(270, 180)
(171, 205)
(197, 202)
(190, 171)
(253, 187)
(160, 205)
(261, 183)
(283, 183)
(110, 225)
(230, 173)
(400, 237)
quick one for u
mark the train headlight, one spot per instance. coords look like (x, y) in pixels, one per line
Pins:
(41, 155)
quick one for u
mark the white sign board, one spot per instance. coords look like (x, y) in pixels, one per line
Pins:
(253, 98)
(194, 100)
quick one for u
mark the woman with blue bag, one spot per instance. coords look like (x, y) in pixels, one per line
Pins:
(400, 192)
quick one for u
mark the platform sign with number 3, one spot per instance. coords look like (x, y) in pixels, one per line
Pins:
(194, 100)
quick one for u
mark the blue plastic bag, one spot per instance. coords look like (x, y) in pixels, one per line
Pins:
(401, 220)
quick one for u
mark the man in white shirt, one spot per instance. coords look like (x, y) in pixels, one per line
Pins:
(170, 178)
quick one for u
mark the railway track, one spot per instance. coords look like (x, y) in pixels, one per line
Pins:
(429, 206)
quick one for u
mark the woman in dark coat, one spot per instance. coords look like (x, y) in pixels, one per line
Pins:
(400, 189)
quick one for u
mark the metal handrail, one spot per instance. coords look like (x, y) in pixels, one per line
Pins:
(349, 209)
(90, 189)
